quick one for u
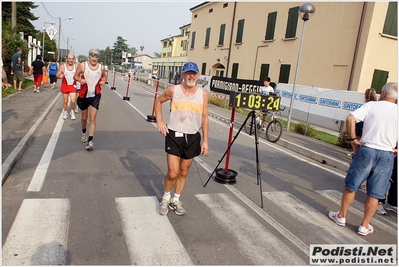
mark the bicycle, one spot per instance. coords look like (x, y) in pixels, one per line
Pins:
(272, 126)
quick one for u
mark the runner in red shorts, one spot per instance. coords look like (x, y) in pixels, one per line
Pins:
(68, 85)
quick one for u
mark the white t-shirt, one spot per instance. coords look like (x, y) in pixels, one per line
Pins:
(265, 90)
(380, 129)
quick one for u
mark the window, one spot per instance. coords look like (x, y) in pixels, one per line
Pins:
(284, 73)
(264, 71)
(225, 5)
(292, 22)
(271, 25)
(210, 10)
(203, 69)
(195, 16)
(192, 40)
(391, 20)
(380, 78)
(240, 31)
(234, 72)
(221, 34)
(208, 34)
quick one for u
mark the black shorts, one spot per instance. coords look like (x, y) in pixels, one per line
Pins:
(53, 79)
(187, 146)
(84, 103)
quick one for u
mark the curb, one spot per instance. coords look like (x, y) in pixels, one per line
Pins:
(16, 154)
(314, 155)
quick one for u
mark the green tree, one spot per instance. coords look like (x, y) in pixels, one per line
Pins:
(119, 46)
(24, 17)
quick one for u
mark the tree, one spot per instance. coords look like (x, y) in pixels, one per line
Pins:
(119, 47)
(157, 55)
(24, 17)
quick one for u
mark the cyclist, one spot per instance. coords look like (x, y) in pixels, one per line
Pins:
(266, 90)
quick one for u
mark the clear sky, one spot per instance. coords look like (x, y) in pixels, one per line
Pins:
(97, 24)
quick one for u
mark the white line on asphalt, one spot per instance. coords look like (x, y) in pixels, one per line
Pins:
(315, 221)
(150, 238)
(357, 208)
(10, 160)
(39, 233)
(253, 239)
(37, 181)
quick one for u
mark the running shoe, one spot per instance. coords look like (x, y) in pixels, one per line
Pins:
(163, 207)
(177, 207)
(333, 216)
(84, 138)
(34, 90)
(380, 209)
(65, 115)
(90, 146)
(365, 231)
(73, 115)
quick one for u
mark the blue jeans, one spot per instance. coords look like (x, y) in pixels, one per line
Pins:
(375, 166)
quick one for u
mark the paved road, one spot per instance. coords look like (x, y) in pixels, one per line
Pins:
(64, 205)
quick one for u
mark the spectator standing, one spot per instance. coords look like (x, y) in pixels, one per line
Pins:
(266, 90)
(17, 69)
(373, 160)
(4, 80)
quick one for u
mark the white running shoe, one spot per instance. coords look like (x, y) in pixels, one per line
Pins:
(65, 115)
(76, 109)
(73, 115)
(84, 138)
(90, 146)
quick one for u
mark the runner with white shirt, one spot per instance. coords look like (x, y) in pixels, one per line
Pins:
(68, 85)
(91, 75)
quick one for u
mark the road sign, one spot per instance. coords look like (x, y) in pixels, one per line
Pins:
(52, 32)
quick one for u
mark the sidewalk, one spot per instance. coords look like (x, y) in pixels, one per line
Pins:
(23, 112)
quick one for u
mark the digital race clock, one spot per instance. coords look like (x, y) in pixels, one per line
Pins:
(254, 101)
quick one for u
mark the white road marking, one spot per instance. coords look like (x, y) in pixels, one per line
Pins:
(357, 208)
(315, 221)
(37, 181)
(150, 237)
(254, 240)
(39, 233)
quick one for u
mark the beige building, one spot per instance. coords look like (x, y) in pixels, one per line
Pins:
(143, 61)
(173, 54)
(346, 45)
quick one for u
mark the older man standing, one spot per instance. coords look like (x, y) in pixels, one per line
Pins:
(91, 75)
(189, 114)
(373, 161)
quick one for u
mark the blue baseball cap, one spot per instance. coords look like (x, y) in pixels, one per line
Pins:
(190, 66)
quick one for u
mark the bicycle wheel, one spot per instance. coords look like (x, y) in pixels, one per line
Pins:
(274, 131)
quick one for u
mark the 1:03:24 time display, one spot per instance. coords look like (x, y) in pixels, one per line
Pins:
(254, 101)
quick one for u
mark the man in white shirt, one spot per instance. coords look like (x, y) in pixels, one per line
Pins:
(374, 159)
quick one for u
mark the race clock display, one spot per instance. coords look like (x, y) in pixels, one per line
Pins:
(254, 101)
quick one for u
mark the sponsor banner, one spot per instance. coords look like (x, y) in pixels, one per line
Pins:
(227, 85)
(353, 254)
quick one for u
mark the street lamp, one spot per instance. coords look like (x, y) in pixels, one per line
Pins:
(44, 29)
(141, 58)
(305, 11)
(59, 35)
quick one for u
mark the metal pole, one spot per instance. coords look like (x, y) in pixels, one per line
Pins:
(296, 76)
(59, 39)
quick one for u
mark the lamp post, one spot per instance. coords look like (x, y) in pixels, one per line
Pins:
(59, 36)
(141, 57)
(304, 12)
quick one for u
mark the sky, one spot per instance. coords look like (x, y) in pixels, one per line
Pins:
(98, 24)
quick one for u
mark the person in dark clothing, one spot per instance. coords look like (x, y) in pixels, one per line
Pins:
(38, 68)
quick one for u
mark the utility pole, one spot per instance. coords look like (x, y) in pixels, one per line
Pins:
(14, 16)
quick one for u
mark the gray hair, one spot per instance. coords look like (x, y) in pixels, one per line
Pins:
(391, 90)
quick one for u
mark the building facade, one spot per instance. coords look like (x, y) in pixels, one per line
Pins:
(346, 45)
(173, 54)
